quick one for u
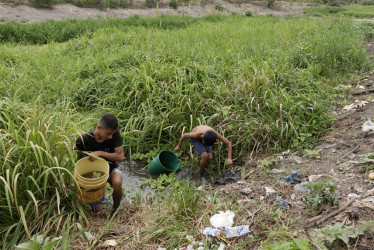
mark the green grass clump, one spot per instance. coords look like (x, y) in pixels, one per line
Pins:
(321, 192)
(356, 11)
(36, 170)
(64, 30)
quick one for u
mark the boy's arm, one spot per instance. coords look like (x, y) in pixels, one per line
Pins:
(229, 148)
(186, 135)
(117, 155)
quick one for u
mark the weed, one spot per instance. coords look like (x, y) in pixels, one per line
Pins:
(337, 232)
(321, 192)
(42, 3)
(312, 153)
(204, 2)
(343, 166)
(219, 7)
(163, 181)
(295, 244)
(150, 3)
(270, 3)
(300, 140)
(267, 162)
(365, 159)
(173, 4)
(248, 13)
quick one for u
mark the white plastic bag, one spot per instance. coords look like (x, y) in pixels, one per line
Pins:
(222, 219)
(367, 126)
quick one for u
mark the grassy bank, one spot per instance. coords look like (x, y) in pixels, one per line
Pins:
(355, 11)
(265, 83)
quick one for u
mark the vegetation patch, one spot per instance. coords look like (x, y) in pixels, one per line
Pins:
(265, 83)
(356, 11)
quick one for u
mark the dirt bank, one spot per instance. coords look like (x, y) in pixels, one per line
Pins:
(27, 13)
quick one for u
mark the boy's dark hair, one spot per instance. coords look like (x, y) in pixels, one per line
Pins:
(109, 121)
(209, 137)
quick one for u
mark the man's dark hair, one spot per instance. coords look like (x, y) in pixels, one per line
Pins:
(109, 121)
(209, 137)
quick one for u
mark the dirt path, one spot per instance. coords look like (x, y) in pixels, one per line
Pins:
(26, 13)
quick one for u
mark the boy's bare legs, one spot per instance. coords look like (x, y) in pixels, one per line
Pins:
(205, 160)
(117, 189)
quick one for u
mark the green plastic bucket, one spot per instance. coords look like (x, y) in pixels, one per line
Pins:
(165, 162)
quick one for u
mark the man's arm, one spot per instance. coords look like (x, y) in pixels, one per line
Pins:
(117, 155)
(229, 148)
(186, 135)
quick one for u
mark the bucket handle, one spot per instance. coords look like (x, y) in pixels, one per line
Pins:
(89, 154)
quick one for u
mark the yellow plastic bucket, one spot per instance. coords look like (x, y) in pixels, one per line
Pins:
(89, 188)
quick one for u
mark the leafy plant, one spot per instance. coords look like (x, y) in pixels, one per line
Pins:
(163, 181)
(267, 162)
(150, 3)
(343, 166)
(365, 159)
(146, 156)
(219, 7)
(173, 4)
(294, 244)
(248, 13)
(42, 3)
(300, 140)
(312, 153)
(321, 192)
(270, 3)
(338, 232)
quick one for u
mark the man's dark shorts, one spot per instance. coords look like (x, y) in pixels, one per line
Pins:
(200, 147)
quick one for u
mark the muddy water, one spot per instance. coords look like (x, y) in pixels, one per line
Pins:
(133, 174)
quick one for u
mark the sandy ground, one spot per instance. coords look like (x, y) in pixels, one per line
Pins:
(27, 13)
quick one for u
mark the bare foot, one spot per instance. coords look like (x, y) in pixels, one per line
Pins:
(97, 209)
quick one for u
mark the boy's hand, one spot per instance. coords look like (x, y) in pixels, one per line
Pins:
(177, 148)
(95, 153)
(228, 162)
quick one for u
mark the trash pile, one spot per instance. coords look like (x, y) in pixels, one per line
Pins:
(355, 105)
(222, 227)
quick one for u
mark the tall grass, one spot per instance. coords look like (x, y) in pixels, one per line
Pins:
(61, 31)
(35, 174)
(262, 82)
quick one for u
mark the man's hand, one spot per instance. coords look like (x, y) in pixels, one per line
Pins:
(95, 153)
(177, 148)
(228, 162)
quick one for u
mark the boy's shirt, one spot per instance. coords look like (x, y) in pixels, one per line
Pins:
(88, 143)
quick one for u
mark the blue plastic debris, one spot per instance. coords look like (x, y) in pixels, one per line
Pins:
(282, 203)
(236, 231)
(294, 178)
(209, 231)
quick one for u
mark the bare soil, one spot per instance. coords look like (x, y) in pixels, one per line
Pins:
(28, 14)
